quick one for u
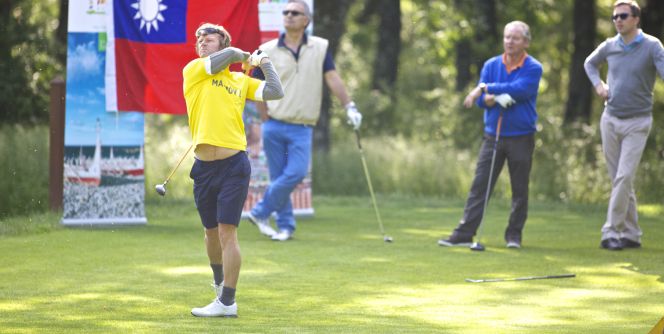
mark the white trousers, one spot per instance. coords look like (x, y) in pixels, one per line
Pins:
(623, 142)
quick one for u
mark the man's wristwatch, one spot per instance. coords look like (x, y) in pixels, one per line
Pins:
(482, 87)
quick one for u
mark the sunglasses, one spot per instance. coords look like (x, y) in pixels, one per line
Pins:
(622, 16)
(209, 30)
(292, 13)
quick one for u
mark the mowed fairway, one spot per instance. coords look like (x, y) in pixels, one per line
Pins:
(337, 275)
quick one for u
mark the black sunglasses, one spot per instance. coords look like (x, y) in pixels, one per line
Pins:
(292, 13)
(622, 16)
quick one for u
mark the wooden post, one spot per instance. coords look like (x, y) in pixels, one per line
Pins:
(56, 143)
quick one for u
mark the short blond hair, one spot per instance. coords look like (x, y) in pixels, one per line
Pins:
(211, 28)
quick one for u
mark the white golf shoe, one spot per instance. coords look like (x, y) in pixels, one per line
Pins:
(215, 309)
(283, 235)
(263, 225)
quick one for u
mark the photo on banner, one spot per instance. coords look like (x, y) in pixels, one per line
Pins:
(271, 25)
(103, 154)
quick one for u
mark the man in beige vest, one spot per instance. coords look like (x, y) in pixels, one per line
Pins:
(302, 62)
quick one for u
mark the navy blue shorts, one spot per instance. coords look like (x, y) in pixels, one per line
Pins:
(220, 189)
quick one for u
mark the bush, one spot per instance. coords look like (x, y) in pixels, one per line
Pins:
(23, 169)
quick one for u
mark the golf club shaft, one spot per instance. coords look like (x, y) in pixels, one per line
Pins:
(488, 186)
(368, 177)
(519, 278)
(178, 165)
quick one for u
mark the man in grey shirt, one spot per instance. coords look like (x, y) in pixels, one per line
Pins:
(634, 58)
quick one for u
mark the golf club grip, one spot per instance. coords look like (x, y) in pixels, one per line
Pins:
(561, 276)
(247, 71)
(543, 277)
(357, 136)
(499, 125)
(491, 280)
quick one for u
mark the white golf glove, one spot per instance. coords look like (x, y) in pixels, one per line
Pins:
(354, 116)
(505, 100)
(256, 58)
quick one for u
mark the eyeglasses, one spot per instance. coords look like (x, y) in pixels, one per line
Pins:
(292, 13)
(209, 30)
(622, 16)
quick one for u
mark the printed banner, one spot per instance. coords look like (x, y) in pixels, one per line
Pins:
(271, 24)
(103, 156)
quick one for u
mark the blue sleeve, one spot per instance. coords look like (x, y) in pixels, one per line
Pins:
(484, 77)
(523, 88)
(258, 73)
(328, 64)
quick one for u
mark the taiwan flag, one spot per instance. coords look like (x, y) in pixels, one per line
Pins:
(150, 41)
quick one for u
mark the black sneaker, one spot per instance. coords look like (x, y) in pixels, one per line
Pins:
(455, 241)
(627, 243)
(611, 244)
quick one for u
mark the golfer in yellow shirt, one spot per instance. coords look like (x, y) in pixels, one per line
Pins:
(215, 99)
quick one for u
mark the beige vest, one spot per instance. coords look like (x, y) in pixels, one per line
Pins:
(302, 81)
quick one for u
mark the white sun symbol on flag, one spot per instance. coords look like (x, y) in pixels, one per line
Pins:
(149, 11)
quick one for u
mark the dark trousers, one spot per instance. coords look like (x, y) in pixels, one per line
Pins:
(518, 151)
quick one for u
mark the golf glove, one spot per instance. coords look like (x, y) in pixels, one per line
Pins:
(505, 100)
(354, 116)
(256, 58)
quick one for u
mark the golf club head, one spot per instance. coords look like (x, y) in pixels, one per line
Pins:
(161, 189)
(476, 246)
(387, 239)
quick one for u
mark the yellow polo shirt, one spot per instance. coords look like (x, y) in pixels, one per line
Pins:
(215, 104)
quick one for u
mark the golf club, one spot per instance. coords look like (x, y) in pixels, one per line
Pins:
(373, 197)
(477, 246)
(247, 68)
(161, 188)
(518, 278)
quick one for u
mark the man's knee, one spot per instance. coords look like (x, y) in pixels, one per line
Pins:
(227, 234)
(622, 179)
(212, 233)
(292, 178)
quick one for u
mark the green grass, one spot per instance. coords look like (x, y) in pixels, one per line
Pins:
(337, 276)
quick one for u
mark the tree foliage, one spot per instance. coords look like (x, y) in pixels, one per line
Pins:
(444, 45)
(408, 64)
(30, 57)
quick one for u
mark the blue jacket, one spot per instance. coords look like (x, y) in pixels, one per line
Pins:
(522, 84)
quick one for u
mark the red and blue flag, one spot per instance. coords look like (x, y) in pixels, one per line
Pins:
(150, 41)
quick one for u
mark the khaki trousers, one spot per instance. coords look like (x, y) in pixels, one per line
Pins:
(623, 141)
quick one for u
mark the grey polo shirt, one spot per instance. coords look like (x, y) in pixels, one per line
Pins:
(631, 74)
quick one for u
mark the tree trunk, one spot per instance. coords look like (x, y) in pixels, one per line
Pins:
(386, 63)
(478, 48)
(652, 17)
(463, 63)
(61, 31)
(486, 33)
(329, 23)
(579, 100)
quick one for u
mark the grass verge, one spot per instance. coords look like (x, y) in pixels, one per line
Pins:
(337, 275)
